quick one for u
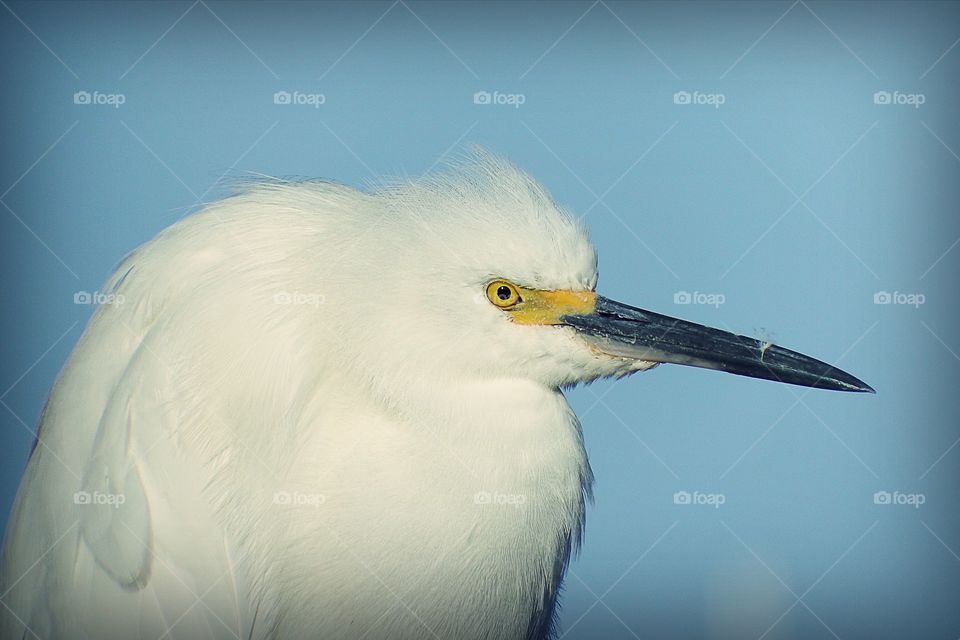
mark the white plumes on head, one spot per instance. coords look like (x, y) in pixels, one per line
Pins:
(490, 219)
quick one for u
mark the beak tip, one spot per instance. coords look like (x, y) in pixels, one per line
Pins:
(850, 384)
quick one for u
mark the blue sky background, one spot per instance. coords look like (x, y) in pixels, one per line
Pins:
(787, 188)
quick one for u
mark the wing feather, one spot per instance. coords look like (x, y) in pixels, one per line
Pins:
(125, 545)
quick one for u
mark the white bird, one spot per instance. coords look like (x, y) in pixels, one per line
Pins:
(309, 411)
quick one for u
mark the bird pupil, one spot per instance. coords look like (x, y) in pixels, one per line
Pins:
(503, 293)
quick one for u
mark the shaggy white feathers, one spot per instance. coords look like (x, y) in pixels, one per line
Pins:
(317, 425)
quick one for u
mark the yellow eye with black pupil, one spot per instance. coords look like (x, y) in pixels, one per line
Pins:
(502, 294)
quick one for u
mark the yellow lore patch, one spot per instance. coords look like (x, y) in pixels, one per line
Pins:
(534, 306)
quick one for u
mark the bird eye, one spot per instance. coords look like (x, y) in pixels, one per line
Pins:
(502, 294)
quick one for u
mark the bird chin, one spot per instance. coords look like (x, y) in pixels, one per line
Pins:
(625, 359)
(629, 367)
(605, 365)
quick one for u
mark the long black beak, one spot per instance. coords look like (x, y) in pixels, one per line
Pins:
(624, 331)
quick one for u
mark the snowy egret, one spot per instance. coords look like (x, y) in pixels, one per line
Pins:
(309, 411)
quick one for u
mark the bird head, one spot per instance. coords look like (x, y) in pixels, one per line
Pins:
(490, 278)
